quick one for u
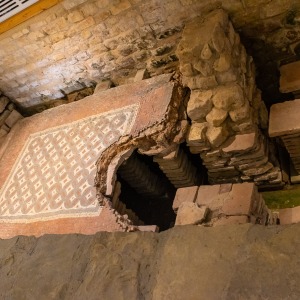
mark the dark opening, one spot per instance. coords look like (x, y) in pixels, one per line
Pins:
(146, 190)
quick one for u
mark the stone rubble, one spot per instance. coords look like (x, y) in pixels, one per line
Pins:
(227, 113)
(222, 204)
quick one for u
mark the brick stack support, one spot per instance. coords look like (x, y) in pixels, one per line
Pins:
(178, 168)
(9, 116)
(284, 125)
(225, 107)
(139, 176)
(213, 205)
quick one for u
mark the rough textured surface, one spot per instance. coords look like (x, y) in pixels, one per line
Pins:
(227, 112)
(79, 43)
(187, 262)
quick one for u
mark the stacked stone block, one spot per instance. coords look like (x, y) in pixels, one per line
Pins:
(223, 204)
(284, 124)
(8, 115)
(178, 168)
(225, 107)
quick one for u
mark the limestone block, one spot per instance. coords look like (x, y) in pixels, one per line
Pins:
(187, 70)
(203, 67)
(186, 194)
(258, 171)
(190, 214)
(228, 97)
(240, 114)
(206, 53)
(196, 134)
(242, 143)
(2, 132)
(4, 116)
(3, 102)
(216, 135)
(202, 83)
(216, 117)
(199, 104)
(218, 38)
(223, 63)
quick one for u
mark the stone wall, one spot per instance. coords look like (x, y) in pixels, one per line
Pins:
(78, 43)
(227, 113)
(9, 116)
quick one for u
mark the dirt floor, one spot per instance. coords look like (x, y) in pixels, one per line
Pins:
(187, 262)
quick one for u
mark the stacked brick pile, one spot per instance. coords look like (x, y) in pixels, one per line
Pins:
(8, 115)
(223, 204)
(225, 106)
(178, 168)
(284, 123)
(121, 208)
(139, 176)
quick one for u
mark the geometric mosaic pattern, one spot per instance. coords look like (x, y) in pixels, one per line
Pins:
(54, 174)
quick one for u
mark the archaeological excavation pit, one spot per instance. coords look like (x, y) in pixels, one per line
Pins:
(116, 155)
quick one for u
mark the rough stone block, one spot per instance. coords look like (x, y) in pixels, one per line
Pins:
(242, 143)
(228, 97)
(240, 114)
(196, 135)
(216, 135)
(216, 116)
(186, 194)
(199, 104)
(13, 118)
(190, 214)
(3, 102)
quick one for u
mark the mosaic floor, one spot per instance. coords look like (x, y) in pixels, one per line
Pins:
(54, 173)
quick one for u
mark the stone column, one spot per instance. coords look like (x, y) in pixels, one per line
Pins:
(225, 107)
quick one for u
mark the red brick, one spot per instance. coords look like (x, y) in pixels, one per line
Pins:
(186, 194)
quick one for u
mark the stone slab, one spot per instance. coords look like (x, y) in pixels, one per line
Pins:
(185, 194)
(284, 118)
(290, 77)
(289, 215)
